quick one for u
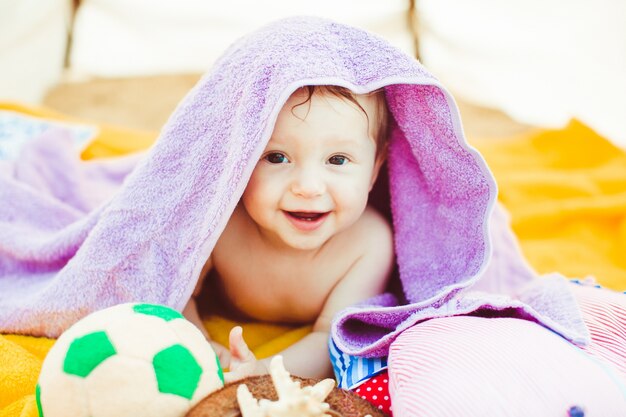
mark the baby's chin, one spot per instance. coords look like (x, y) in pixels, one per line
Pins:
(312, 241)
(306, 244)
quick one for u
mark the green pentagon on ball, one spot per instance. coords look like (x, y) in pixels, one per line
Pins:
(87, 352)
(220, 371)
(38, 400)
(177, 371)
(160, 311)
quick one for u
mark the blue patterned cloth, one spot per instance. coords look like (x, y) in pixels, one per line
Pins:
(17, 129)
(351, 371)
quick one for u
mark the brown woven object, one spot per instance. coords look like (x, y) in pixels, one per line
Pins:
(223, 403)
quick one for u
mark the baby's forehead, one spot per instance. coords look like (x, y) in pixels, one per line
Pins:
(323, 118)
(307, 94)
(363, 108)
(315, 113)
(325, 141)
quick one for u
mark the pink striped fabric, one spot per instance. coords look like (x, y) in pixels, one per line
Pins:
(604, 313)
(474, 366)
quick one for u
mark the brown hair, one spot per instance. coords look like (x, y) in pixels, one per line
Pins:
(383, 130)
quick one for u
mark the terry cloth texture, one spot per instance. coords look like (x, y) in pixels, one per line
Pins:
(63, 256)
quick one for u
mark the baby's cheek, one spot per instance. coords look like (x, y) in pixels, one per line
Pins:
(351, 205)
(358, 197)
(259, 193)
(254, 205)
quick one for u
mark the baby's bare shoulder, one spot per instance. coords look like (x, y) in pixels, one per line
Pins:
(367, 234)
(368, 242)
(371, 239)
(373, 229)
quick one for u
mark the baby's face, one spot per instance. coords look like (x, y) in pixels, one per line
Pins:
(315, 174)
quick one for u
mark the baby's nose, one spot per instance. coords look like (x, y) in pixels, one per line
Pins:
(308, 183)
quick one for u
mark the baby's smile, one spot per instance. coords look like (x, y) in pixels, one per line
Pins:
(306, 220)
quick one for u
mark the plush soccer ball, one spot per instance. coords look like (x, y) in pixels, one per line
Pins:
(128, 360)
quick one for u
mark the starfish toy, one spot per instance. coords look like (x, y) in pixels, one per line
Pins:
(293, 400)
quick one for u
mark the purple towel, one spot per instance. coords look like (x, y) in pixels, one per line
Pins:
(63, 255)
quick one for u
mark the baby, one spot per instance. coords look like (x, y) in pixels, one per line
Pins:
(302, 243)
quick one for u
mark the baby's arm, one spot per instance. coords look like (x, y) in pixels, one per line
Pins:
(309, 357)
(366, 278)
(191, 313)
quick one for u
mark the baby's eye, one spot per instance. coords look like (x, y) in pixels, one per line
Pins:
(276, 158)
(338, 160)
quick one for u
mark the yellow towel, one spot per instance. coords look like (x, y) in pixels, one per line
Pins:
(21, 358)
(566, 192)
(565, 189)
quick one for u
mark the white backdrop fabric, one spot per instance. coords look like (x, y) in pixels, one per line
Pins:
(120, 38)
(33, 40)
(541, 61)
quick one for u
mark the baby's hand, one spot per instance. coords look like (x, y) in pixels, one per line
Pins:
(243, 363)
(222, 352)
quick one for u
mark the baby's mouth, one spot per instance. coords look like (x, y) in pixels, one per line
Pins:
(306, 220)
(306, 216)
